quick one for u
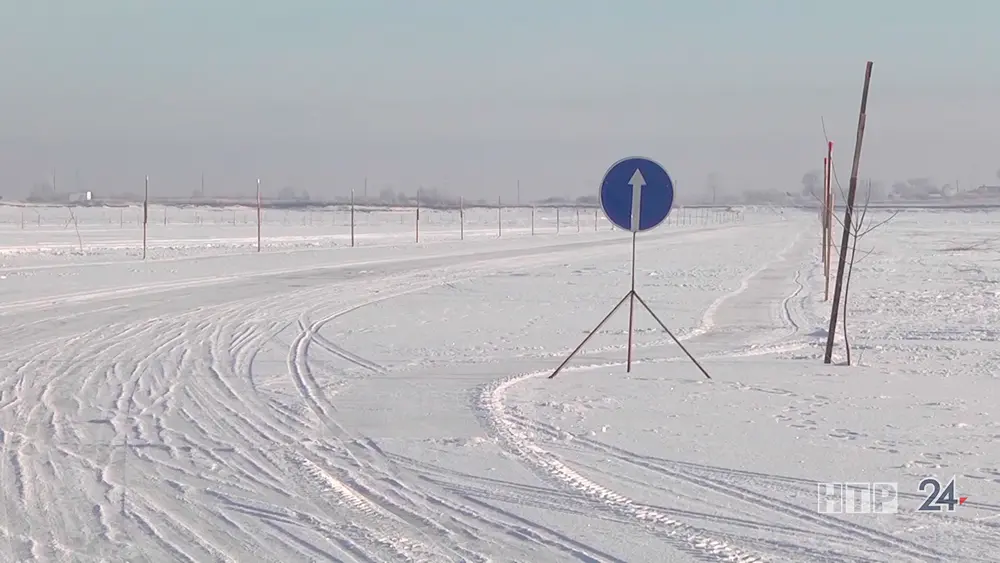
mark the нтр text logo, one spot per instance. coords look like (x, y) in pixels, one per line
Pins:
(857, 498)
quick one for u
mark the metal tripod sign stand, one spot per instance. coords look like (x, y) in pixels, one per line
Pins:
(636, 195)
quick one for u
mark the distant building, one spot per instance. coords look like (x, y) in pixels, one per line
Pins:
(983, 191)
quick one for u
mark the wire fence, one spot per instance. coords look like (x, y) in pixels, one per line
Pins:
(90, 230)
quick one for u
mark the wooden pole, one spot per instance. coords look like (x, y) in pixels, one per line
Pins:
(831, 206)
(145, 217)
(852, 191)
(258, 214)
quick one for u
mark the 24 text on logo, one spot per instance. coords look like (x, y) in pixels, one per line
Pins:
(883, 497)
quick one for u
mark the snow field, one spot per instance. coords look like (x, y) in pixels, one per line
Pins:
(743, 456)
(389, 402)
(80, 234)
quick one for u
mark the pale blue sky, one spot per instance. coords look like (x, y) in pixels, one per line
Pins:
(473, 95)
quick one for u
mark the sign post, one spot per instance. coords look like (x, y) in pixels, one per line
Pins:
(636, 195)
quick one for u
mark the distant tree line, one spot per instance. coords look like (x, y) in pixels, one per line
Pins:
(434, 197)
(810, 193)
(911, 189)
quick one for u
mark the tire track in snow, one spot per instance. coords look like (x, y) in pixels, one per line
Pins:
(298, 352)
(707, 321)
(229, 394)
(234, 408)
(852, 532)
(362, 453)
(312, 392)
(335, 349)
(513, 438)
(388, 534)
(147, 387)
(31, 448)
(786, 309)
(98, 347)
(270, 435)
(16, 460)
(45, 416)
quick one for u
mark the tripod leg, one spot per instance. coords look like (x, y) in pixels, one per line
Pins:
(592, 333)
(674, 338)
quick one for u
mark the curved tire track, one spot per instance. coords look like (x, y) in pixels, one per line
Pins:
(513, 437)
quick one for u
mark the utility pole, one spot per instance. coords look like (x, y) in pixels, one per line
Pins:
(852, 191)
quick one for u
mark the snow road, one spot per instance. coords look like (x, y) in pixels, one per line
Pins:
(390, 403)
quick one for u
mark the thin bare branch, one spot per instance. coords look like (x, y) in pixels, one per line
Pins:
(865, 254)
(880, 223)
(859, 224)
(823, 205)
(76, 225)
(836, 180)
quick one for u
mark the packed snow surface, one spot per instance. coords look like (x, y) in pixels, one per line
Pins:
(390, 401)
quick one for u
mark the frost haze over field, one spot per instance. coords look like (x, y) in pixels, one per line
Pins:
(389, 402)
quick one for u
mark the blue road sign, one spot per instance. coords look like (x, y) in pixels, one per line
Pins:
(637, 194)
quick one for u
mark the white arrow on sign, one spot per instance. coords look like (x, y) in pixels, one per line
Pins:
(637, 182)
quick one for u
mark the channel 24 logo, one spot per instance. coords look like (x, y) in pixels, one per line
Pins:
(883, 498)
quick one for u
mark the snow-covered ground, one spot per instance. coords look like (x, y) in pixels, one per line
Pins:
(66, 233)
(389, 402)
